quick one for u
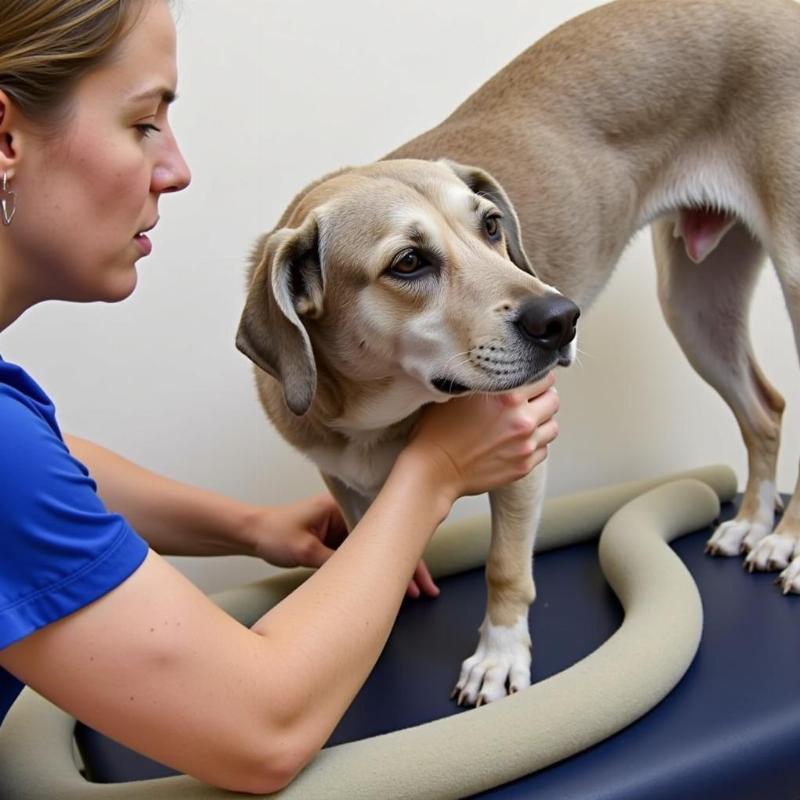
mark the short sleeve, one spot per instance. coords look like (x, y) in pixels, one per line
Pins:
(60, 548)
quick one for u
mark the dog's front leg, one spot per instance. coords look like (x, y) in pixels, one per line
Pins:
(352, 504)
(502, 662)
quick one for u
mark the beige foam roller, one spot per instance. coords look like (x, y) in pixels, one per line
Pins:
(484, 747)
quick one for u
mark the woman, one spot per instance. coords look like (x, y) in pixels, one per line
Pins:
(90, 615)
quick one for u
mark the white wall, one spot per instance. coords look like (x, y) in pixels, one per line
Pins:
(272, 94)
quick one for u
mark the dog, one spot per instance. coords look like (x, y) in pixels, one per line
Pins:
(678, 114)
(388, 287)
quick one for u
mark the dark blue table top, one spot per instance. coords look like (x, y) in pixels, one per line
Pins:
(730, 729)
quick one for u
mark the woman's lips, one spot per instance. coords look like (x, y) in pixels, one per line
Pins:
(144, 243)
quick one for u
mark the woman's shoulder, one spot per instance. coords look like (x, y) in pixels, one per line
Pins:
(61, 547)
(23, 403)
(17, 385)
(33, 448)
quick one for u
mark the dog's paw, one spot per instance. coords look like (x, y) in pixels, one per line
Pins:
(736, 537)
(789, 579)
(772, 553)
(501, 664)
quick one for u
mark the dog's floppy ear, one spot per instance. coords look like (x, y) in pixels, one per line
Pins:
(482, 183)
(286, 287)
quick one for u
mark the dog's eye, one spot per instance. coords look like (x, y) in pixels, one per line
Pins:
(408, 263)
(491, 225)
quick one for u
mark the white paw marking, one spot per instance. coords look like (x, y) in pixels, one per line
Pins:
(502, 659)
(741, 535)
(734, 537)
(772, 553)
(789, 579)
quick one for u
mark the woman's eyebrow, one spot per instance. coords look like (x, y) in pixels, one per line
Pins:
(166, 96)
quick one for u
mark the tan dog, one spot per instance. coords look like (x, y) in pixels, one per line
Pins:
(679, 113)
(388, 287)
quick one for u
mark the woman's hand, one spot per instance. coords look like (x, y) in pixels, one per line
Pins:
(475, 444)
(301, 534)
(305, 534)
(471, 445)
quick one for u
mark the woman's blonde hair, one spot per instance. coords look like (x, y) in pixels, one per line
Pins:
(46, 46)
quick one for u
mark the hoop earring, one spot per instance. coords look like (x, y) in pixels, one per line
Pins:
(8, 201)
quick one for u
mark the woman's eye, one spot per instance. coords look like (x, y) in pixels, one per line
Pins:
(146, 128)
(492, 227)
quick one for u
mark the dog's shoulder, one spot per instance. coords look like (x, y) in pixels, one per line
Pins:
(361, 464)
(360, 458)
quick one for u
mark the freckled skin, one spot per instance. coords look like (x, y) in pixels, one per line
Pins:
(102, 170)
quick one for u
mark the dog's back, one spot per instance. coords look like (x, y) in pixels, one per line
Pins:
(589, 123)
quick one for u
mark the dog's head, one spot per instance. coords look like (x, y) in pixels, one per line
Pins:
(407, 274)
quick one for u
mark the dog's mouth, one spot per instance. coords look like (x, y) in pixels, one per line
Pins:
(449, 386)
(504, 375)
(452, 387)
(567, 354)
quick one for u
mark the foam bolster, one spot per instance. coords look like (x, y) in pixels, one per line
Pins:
(484, 747)
(566, 520)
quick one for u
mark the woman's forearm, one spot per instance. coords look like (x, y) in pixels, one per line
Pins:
(360, 588)
(289, 680)
(347, 608)
(175, 518)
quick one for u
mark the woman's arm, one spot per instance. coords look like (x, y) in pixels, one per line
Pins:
(175, 518)
(158, 667)
(178, 519)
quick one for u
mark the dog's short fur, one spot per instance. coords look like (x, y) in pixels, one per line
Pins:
(680, 113)
(351, 346)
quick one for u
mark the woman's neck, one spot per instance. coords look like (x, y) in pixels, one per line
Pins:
(14, 301)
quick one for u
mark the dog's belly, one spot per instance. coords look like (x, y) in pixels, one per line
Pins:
(363, 467)
(709, 175)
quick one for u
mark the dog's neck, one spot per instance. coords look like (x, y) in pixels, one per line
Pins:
(345, 413)
(358, 439)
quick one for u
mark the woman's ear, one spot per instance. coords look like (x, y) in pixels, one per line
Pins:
(9, 135)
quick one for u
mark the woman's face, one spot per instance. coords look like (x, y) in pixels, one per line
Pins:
(85, 198)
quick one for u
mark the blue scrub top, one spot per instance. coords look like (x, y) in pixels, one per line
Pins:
(60, 548)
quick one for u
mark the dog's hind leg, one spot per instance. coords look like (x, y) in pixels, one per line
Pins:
(781, 549)
(501, 663)
(706, 307)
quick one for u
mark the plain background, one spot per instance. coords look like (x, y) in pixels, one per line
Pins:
(271, 95)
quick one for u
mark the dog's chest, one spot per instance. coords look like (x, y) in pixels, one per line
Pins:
(363, 466)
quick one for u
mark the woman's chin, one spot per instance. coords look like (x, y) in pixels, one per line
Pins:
(122, 287)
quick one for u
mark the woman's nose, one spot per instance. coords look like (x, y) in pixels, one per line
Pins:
(171, 173)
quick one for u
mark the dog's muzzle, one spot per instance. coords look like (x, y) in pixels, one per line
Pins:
(549, 322)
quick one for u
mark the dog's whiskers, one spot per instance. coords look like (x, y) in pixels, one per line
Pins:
(465, 355)
(579, 353)
(461, 363)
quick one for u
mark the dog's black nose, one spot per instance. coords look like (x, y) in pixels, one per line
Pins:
(549, 321)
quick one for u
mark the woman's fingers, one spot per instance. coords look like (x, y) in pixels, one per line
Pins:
(542, 385)
(545, 405)
(546, 432)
